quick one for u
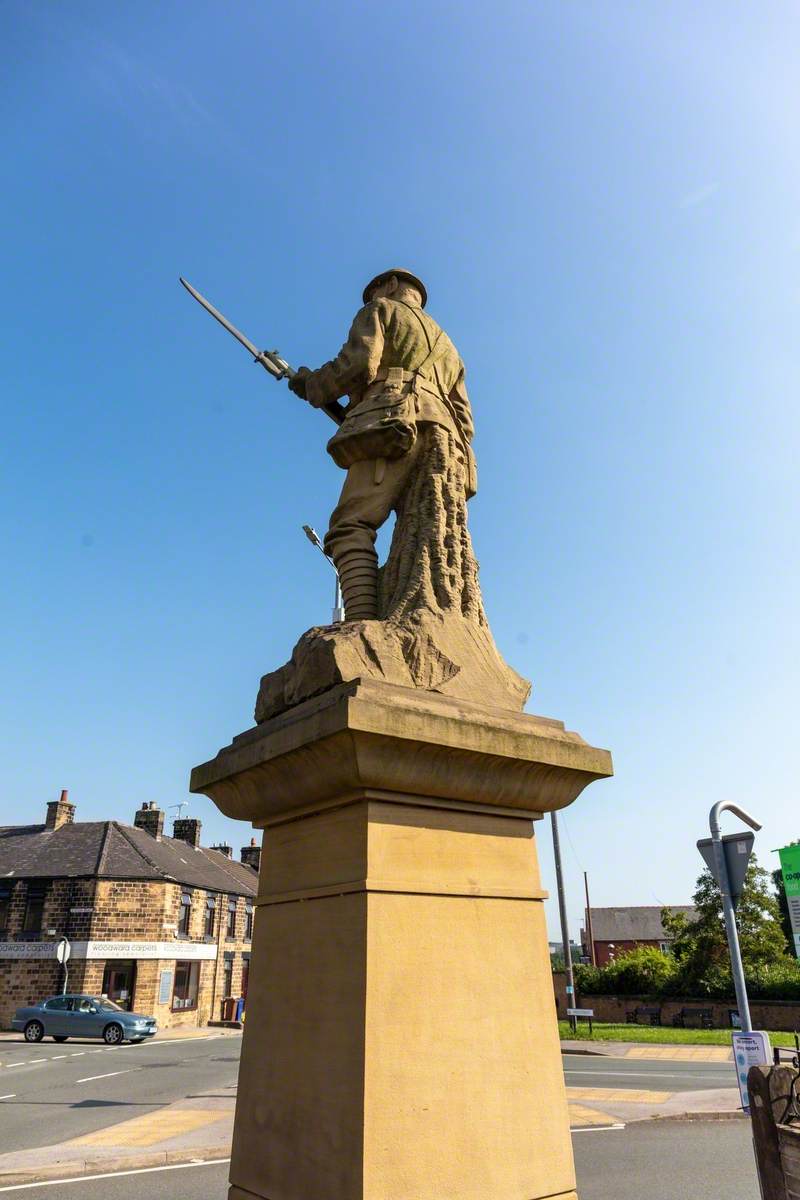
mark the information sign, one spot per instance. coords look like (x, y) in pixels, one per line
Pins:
(749, 1050)
(790, 869)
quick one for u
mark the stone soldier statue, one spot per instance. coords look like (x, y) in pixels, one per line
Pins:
(402, 374)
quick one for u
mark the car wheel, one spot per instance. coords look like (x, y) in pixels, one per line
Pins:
(59, 1037)
(34, 1031)
(112, 1034)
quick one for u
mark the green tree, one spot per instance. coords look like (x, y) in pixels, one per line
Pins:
(700, 947)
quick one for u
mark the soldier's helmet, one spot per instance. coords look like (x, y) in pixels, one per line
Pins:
(401, 274)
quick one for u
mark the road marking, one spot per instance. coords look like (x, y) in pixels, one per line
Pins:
(586, 1129)
(33, 1060)
(682, 1053)
(617, 1095)
(10, 1096)
(77, 1053)
(91, 1078)
(19, 1064)
(644, 1075)
(151, 1128)
(201, 1162)
(55, 1056)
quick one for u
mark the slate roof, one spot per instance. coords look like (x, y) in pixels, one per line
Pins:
(637, 924)
(111, 850)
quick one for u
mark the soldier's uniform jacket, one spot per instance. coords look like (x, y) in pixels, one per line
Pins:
(389, 334)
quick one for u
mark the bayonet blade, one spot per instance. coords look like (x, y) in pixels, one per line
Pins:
(237, 333)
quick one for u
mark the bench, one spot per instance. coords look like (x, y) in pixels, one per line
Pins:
(644, 1015)
(694, 1018)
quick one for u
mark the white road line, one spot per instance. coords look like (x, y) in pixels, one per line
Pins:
(19, 1064)
(201, 1162)
(91, 1078)
(77, 1053)
(10, 1096)
(578, 1129)
(33, 1060)
(53, 1057)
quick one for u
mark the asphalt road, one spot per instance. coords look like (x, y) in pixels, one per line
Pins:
(680, 1160)
(582, 1070)
(51, 1092)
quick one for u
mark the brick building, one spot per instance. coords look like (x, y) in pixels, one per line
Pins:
(617, 930)
(160, 924)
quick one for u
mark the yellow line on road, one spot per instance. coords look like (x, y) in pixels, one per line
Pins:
(617, 1095)
(682, 1053)
(580, 1115)
(154, 1127)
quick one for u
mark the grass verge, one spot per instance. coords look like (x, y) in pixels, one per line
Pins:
(665, 1035)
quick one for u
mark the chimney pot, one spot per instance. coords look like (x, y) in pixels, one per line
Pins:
(224, 848)
(251, 855)
(59, 812)
(150, 818)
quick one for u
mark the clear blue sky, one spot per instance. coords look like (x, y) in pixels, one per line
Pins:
(603, 200)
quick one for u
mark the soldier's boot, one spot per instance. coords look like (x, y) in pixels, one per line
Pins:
(358, 575)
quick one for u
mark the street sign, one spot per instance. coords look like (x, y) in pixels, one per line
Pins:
(737, 847)
(749, 1050)
(63, 950)
(580, 1012)
(790, 869)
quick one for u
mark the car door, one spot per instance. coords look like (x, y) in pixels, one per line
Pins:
(56, 1015)
(88, 1021)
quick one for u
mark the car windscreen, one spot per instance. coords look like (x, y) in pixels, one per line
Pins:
(104, 1002)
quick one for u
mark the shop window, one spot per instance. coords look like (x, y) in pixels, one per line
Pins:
(231, 931)
(185, 914)
(184, 993)
(34, 910)
(211, 912)
(248, 921)
(227, 976)
(6, 890)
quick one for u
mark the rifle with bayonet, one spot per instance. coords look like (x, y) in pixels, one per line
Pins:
(270, 360)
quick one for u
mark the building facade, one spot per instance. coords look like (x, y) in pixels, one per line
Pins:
(161, 925)
(618, 930)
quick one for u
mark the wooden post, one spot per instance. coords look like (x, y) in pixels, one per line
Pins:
(761, 1083)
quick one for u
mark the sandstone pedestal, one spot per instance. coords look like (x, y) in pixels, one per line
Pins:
(401, 1039)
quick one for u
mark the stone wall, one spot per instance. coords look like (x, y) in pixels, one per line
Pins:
(766, 1014)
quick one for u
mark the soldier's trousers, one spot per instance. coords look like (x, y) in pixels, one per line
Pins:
(370, 493)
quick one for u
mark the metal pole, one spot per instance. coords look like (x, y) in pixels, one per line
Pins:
(728, 912)
(589, 929)
(562, 912)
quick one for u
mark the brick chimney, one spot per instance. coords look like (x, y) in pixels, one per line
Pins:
(151, 819)
(187, 829)
(59, 812)
(224, 848)
(251, 855)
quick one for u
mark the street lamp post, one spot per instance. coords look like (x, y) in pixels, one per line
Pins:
(338, 602)
(728, 911)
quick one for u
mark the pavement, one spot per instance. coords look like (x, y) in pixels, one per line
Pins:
(82, 1109)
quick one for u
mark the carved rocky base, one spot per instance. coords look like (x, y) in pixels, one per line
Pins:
(438, 653)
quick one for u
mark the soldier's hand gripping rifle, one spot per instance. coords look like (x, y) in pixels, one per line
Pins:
(270, 360)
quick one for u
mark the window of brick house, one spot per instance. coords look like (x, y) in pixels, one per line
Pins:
(227, 976)
(211, 912)
(185, 914)
(34, 908)
(248, 920)
(184, 992)
(231, 931)
(6, 890)
(245, 974)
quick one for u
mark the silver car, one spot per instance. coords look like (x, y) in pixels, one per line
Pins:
(63, 1017)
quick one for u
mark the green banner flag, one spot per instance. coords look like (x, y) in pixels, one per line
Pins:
(790, 869)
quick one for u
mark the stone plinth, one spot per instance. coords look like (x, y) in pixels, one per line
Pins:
(401, 1039)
